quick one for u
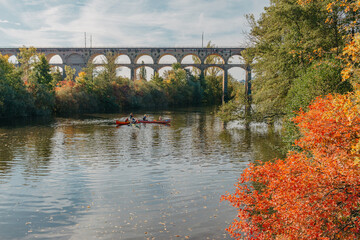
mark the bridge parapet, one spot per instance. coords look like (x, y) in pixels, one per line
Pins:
(135, 53)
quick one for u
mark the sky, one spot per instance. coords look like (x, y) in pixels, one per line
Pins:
(126, 23)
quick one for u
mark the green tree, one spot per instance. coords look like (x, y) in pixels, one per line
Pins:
(157, 79)
(106, 82)
(56, 76)
(27, 57)
(41, 72)
(15, 100)
(287, 39)
(41, 86)
(110, 67)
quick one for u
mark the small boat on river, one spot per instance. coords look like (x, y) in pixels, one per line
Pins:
(166, 121)
(122, 123)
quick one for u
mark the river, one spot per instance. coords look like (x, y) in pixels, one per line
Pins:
(85, 178)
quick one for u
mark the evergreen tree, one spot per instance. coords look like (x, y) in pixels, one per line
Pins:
(142, 74)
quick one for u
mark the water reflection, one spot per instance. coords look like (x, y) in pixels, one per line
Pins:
(85, 178)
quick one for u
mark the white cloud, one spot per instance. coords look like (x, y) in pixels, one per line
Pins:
(128, 22)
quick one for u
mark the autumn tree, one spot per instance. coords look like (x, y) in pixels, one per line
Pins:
(69, 73)
(313, 193)
(346, 15)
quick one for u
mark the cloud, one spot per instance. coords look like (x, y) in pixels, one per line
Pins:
(128, 23)
(7, 22)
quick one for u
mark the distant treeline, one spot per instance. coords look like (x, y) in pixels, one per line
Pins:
(34, 88)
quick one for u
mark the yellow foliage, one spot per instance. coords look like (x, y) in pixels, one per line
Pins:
(82, 74)
(6, 57)
(351, 55)
(81, 78)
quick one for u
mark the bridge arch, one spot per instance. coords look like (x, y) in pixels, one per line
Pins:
(98, 59)
(188, 59)
(144, 57)
(163, 69)
(124, 72)
(214, 59)
(238, 73)
(54, 58)
(74, 59)
(149, 72)
(13, 59)
(236, 59)
(122, 59)
(214, 71)
(54, 69)
(98, 70)
(195, 71)
(167, 58)
(34, 59)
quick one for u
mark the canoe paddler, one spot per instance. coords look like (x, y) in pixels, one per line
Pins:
(131, 116)
(145, 118)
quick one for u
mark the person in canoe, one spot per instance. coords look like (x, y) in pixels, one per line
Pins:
(133, 120)
(160, 118)
(145, 118)
(131, 116)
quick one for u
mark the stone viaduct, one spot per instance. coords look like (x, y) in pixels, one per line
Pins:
(79, 57)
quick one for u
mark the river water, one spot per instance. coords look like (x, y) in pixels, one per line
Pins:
(85, 178)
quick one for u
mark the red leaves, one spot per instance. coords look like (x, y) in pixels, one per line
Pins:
(312, 194)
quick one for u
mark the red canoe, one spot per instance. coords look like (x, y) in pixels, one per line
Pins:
(122, 123)
(166, 121)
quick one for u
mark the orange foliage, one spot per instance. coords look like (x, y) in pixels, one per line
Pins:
(64, 85)
(314, 193)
